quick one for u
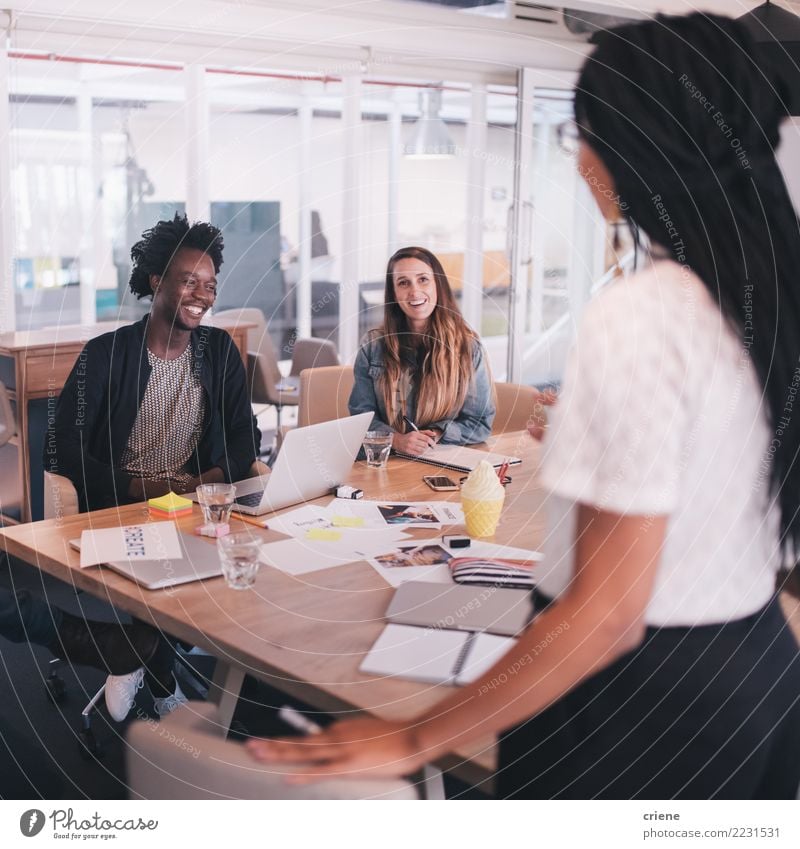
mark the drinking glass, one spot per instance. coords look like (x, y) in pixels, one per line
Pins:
(216, 501)
(377, 446)
(239, 557)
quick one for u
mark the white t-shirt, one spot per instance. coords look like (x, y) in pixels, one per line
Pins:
(661, 413)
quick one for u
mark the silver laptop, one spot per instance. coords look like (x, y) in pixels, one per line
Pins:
(199, 560)
(311, 462)
(461, 607)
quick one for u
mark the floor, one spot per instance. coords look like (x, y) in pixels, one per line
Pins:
(55, 729)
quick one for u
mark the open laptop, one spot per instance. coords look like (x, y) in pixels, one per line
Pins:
(312, 461)
(200, 560)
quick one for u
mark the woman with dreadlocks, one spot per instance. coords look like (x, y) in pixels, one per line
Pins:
(660, 665)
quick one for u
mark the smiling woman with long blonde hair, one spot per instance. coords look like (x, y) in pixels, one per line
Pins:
(424, 364)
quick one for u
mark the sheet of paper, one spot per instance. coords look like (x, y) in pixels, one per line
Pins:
(408, 514)
(413, 560)
(297, 523)
(298, 556)
(151, 541)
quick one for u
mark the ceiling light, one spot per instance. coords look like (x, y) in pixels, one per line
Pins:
(429, 138)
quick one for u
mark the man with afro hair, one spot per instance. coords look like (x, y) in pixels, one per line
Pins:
(157, 405)
(161, 404)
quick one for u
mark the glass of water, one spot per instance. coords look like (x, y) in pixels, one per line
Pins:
(216, 501)
(239, 557)
(377, 446)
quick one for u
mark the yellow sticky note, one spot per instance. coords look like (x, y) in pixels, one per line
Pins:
(323, 534)
(347, 522)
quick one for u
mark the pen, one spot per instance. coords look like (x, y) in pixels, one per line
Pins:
(299, 722)
(411, 424)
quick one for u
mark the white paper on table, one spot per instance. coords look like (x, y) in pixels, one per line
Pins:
(297, 522)
(150, 541)
(407, 514)
(438, 573)
(298, 556)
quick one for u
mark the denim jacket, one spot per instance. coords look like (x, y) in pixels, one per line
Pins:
(473, 422)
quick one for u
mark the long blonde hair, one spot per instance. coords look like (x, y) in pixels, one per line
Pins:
(446, 370)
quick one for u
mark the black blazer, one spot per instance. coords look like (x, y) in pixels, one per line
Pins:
(98, 405)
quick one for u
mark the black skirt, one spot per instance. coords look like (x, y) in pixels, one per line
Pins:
(694, 713)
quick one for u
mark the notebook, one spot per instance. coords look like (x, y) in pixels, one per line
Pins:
(461, 608)
(434, 656)
(458, 458)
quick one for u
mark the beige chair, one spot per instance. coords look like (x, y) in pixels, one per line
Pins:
(186, 756)
(324, 393)
(10, 484)
(313, 353)
(516, 405)
(60, 497)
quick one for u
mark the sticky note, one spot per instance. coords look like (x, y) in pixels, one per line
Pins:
(347, 521)
(323, 534)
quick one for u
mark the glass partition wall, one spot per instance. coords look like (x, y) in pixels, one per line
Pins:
(315, 181)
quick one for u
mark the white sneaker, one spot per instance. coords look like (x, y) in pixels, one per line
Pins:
(121, 693)
(169, 703)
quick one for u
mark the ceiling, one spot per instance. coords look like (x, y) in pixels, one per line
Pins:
(389, 37)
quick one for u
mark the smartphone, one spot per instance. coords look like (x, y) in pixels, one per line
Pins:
(440, 483)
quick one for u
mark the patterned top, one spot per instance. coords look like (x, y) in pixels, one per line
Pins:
(169, 422)
(661, 414)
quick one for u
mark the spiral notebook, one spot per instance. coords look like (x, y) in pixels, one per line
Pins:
(458, 458)
(434, 656)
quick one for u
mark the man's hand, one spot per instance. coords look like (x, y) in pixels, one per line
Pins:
(214, 475)
(414, 442)
(354, 746)
(141, 490)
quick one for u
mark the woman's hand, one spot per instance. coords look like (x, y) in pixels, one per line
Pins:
(362, 746)
(537, 423)
(414, 442)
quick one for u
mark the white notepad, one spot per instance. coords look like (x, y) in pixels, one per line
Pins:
(434, 656)
(459, 458)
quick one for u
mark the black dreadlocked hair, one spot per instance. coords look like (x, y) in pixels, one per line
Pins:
(153, 253)
(685, 121)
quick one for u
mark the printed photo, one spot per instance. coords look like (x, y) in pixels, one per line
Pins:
(405, 514)
(414, 555)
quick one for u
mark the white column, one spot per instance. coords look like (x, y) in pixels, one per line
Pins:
(303, 291)
(89, 212)
(198, 203)
(351, 247)
(477, 137)
(7, 305)
(520, 220)
(395, 152)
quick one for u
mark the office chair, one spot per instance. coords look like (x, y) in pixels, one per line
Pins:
(313, 353)
(267, 386)
(10, 485)
(324, 393)
(515, 405)
(207, 766)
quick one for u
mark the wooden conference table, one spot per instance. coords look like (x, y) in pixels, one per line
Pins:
(305, 635)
